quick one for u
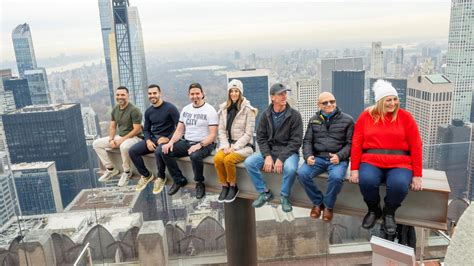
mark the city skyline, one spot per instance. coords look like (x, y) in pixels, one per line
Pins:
(186, 26)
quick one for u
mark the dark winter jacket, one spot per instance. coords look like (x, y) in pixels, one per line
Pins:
(287, 140)
(334, 136)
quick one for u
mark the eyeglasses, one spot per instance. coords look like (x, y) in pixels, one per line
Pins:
(326, 103)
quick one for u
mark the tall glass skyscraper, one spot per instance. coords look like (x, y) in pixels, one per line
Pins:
(23, 46)
(38, 85)
(130, 52)
(348, 89)
(20, 90)
(256, 87)
(460, 57)
(106, 25)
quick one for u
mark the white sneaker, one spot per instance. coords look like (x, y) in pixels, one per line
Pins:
(108, 174)
(124, 179)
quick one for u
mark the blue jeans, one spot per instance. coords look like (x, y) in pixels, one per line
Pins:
(254, 164)
(337, 174)
(397, 179)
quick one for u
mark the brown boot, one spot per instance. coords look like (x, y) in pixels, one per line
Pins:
(316, 211)
(327, 215)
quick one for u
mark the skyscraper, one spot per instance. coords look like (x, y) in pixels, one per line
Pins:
(328, 65)
(23, 46)
(348, 89)
(37, 188)
(7, 190)
(107, 27)
(452, 155)
(21, 92)
(256, 87)
(130, 52)
(38, 85)
(398, 69)
(460, 57)
(306, 97)
(91, 121)
(376, 60)
(429, 100)
(51, 133)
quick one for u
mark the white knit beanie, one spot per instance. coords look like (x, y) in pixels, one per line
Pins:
(236, 84)
(383, 88)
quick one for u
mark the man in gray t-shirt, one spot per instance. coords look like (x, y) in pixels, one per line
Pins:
(124, 131)
(198, 123)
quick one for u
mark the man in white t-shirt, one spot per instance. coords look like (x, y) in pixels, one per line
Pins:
(198, 122)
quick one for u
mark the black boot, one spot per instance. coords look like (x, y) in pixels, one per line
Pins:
(389, 223)
(372, 216)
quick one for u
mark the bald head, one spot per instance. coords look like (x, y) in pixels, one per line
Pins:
(327, 102)
(325, 96)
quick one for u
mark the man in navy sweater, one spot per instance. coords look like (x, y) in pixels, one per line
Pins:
(160, 123)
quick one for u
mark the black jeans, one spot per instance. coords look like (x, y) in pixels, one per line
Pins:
(138, 150)
(180, 149)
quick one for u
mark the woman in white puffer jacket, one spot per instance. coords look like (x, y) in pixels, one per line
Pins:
(236, 128)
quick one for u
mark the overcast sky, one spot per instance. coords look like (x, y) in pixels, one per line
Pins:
(72, 27)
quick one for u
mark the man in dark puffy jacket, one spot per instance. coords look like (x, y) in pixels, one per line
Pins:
(326, 147)
(279, 137)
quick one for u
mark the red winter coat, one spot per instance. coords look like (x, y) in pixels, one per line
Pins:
(401, 134)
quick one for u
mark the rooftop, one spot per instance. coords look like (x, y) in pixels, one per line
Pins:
(437, 79)
(40, 108)
(21, 29)
(104, 198)
(31, 166)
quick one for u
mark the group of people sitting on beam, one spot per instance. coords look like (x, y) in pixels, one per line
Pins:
(384, 147)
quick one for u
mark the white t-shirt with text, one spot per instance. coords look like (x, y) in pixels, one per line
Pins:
(197, 121)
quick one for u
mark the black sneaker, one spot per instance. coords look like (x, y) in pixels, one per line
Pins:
(233, 192)
(175, 187)
(223, 194)
(200, 190)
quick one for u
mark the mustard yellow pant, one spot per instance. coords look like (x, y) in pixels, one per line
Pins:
(225, 166)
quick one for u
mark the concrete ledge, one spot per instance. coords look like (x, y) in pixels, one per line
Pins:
(427, 208)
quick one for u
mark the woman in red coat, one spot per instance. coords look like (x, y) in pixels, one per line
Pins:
(386, 148)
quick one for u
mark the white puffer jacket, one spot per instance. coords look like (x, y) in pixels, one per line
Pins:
(242, 128)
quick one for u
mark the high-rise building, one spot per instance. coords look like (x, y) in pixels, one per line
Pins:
(47, 133)
(5, 74)
(107, 28)
(51, 133)
(328, 65)
(130, 52)
(21, 92)
(256, 87)
(400, 86)
(460, 57)
(91, 121)
(452, 155)
(398, 63)
(7, 190)
(376, 60)
(38, 85)
(348, 89)
(306, 98)
(7, 104)
(37, 188)
(23, 46)
(429, 100)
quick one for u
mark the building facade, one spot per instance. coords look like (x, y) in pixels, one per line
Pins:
(376, 60)
(130, 52)
(21, 92)
(348, 89)
(8, 205)
(460, 57)
(306, 98)
(328, 65)
(429, 100)
(23, 47)
(38, 85)
(107, 28)
(37, 188)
